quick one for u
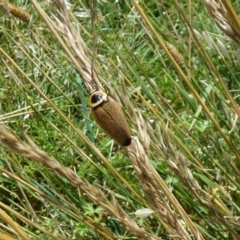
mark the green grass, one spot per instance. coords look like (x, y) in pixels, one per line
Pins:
(182, 106)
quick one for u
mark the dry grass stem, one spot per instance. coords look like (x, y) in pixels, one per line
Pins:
(72, 37)
(138, 156)
(73, 44)
(24, 219)
(14, 225)
(6, 237)
(178, 163)
(161, 206)
(144, 170)
(222, 19)
(30, 150)
(180, 166)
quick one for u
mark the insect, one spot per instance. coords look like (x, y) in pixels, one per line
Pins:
(110, 117)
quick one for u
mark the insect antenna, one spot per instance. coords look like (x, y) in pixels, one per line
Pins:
(94, 36)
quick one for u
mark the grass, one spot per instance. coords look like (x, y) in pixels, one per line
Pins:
(173, 67)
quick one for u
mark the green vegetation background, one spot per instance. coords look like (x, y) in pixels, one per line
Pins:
(197, 112)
